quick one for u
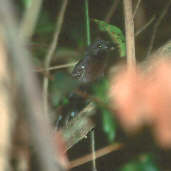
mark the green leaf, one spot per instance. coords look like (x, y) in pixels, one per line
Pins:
(109, 125)
(44, 25)
(58, 88)
(115, 33)
(143, 163)
(100, 90)
(26, 3)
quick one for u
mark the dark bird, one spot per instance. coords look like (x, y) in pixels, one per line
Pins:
(93, 64)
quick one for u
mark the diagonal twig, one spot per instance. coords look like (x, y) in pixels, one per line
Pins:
(111, 11)
(136, 8)
(156, 25)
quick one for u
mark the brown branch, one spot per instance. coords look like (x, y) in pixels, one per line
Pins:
(52, 50)
(99, 153)
(156, 25)
(138, 32)
(129, 29)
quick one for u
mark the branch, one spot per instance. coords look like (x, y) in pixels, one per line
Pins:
(129, 29)
(99, 153)
(40, 129)
(7, 115)
(159, 20)
(111, 11)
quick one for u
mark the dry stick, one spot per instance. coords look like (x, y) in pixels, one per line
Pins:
(136, 8)
(156, 25)
(29, 20)
(94, 157)
(40, 130)
(56, 67)
(129, 29)
(99, 153)
(52, 50)
(137, 33)
(111, 11)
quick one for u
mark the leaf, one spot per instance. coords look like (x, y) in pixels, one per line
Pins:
(115, 33)
(59, 87)
(100, 90)
(109, 127)
(27, 3)
(144, 163)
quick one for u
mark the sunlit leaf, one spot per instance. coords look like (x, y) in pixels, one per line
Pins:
(115, 33)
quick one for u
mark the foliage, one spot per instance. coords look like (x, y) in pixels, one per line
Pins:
(115, 33)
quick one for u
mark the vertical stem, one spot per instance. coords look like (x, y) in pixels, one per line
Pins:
(129, 29)
(87, 20)
(88, 42)
(93, 150)
(51, 51)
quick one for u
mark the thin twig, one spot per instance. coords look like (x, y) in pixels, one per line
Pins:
(138, 32)
(136, 8)
(156, 25)
(99, 153)
(129, 29)
(29, 19)
(93, 150)
(52, 50)
(111, 11)
(56, 67)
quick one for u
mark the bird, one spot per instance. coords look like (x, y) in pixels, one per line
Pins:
(92, 66)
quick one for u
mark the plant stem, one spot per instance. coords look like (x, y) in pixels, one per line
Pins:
(87, 20)
(129, 29)
(88, 42)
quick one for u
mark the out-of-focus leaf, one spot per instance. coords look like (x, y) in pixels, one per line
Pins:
(26, 3)
(109, 125)
(100, 91)
(115, 33)
(144, 163)
(60, 86)
(44, 24)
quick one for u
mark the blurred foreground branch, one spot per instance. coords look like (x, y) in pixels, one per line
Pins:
(6, 114)
(41, 131)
